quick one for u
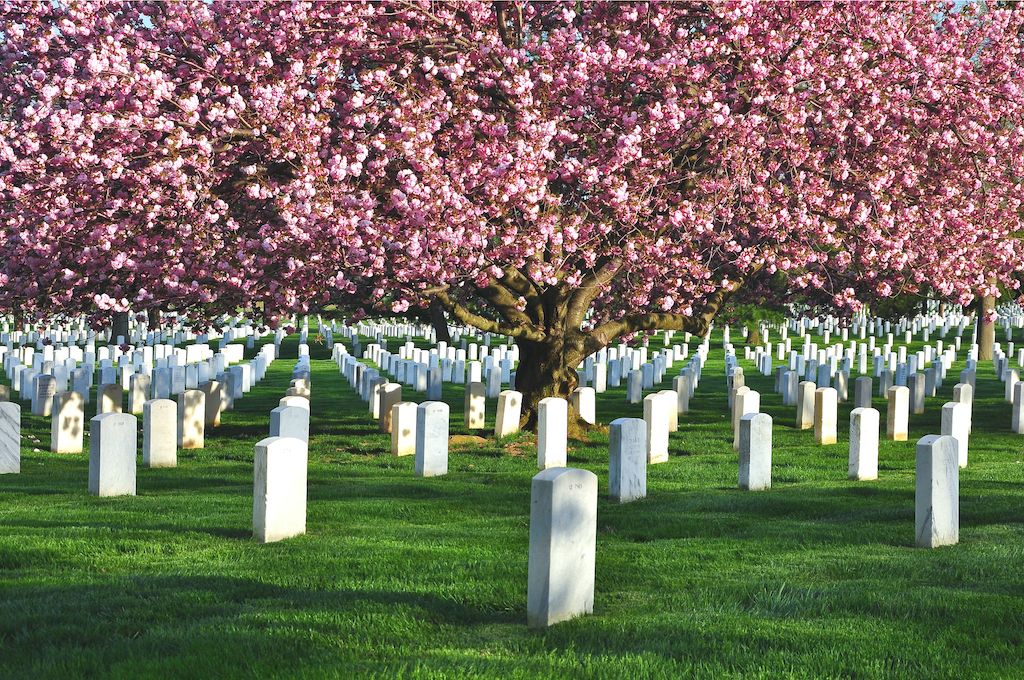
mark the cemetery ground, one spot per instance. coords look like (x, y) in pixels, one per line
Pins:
(405, 577)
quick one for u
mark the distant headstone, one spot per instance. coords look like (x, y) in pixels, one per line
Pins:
(863, 443)
(745, 402)
(138, 392)
(552, 432)
(475, 406)
(403, 428)
(956, 420)
(510, 405)
(862, 392)
(212, 390)
(584, 403)
(826, 415)
(43, 389)
(756, 452)
(634, 387)
(390, 395)
(915, 387)
(627, 459)
(897, 420)
(109, 397)
(964, 393)
(191, 419)
(656, 413)
(290, 421)
(805, 405)
(159, 433)
(67, 424)
(681, 384)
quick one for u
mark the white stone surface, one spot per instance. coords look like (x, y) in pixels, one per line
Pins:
(10, 438)
(937, 492)
(826, 415)
(290, 421)
(627, 459)
(864, 443)
(510, 408)
(279, 489)
(112, 447)
(552, 432)
(403, 428)
(756, 452)
(563, 544)
(191, 419)
(159, 433)
(432, 439)
(67, 423)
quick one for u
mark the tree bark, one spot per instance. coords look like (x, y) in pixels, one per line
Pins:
(548, 369)
(753, 335)
(119, 326)
(986, 331)
(439, 321)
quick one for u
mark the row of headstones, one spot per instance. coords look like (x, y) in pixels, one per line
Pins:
(401, 419)
(563, 510)
(839, 357)
(234, 383)
(862, 324)
(430, 377)
(167, 425)
(166, 381)
(651, 375)
(817, 407)
(290, 418)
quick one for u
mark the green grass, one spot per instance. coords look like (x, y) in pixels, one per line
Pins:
(400, 577)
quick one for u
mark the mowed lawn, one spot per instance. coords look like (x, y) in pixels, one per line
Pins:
(400, 577)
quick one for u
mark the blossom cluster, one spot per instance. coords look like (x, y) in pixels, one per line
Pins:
(206, 156)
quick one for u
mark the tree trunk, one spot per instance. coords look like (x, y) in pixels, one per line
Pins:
(548, 369)
(753, 335)
(439, 321)
(119, 326)
(986, 331)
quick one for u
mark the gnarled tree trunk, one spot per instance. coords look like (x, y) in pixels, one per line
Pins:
(548, 369)
(119, 327)
(550, 328)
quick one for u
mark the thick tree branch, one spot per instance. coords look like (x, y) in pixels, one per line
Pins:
(698, 324)
(527, 332)
(590, 288)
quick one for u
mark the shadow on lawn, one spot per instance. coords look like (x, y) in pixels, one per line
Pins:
(227, 624)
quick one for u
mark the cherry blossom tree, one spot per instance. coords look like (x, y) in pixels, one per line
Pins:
(582, 171)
